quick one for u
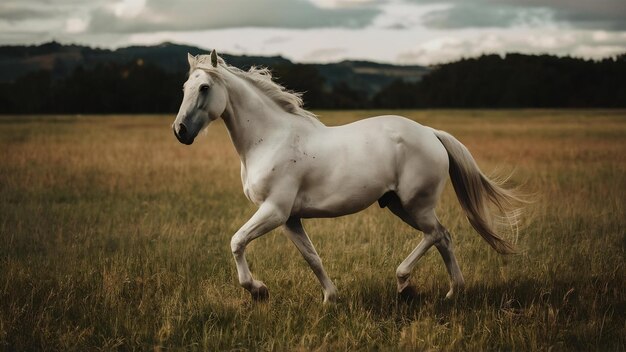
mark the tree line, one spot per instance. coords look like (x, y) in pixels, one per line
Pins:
(489, 81)
(515, 81)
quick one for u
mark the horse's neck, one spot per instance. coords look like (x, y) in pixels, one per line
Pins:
(251, 117)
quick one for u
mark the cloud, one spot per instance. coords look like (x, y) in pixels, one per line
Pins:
(167, 15)
(333, 4)
(581, 43)
(33, 21)
(401, 31)
(279, 39)
(75, 25)
(325, 54)
(466, 15)
(15, 12)
(596, 14)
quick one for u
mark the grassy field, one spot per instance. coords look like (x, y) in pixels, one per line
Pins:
(113, 236)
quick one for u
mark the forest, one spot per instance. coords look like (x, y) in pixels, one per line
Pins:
(489, 81)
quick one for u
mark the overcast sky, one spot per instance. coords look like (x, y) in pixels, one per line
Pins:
(398, 31)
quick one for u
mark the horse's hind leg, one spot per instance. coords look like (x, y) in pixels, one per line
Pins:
(403, 272)
(425, 220)
(445, 248)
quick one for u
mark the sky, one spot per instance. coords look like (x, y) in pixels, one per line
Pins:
(423, 32)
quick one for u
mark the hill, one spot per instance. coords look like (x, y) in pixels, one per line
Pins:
(62, 60)
(56, 78)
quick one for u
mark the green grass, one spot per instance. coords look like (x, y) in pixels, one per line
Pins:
(113, 236)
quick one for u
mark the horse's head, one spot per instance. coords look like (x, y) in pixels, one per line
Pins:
(204, 98)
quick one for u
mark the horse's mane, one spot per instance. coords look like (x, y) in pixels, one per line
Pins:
(261, 78)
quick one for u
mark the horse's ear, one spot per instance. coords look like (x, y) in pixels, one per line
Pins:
(214, 58)
(191, 59)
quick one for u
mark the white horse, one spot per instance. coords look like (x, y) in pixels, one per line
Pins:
(294, 167)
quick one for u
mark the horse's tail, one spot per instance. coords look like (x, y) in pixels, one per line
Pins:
(474, 190)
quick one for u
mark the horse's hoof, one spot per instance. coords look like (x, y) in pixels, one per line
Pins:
(330, 298)
(409, 293)
(260, 293)
(450, 294)
(454, 290)
(403, 283)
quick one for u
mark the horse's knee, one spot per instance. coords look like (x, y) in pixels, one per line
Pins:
(238, 244)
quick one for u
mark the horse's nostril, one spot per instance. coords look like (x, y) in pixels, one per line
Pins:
(182, 130)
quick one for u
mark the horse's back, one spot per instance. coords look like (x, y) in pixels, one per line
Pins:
(414, 141)
(421, 160)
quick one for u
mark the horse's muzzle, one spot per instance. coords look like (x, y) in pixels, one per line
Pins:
(182, 135)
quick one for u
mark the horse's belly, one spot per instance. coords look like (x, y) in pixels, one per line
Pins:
(332, 207)
(328, 200)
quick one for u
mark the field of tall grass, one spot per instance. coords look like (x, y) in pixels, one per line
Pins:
(114, 236)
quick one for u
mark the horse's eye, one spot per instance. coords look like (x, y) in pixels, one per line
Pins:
(204, 87)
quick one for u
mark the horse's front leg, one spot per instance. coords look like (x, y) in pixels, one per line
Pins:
(295, 231)
(268, 217)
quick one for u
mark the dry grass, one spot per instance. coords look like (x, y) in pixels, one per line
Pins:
(115, 236)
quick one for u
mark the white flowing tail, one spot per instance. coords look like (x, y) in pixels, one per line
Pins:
(475, 190)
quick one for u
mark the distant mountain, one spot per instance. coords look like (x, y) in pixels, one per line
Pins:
(373, 76)
(16, 61)
(61, 60)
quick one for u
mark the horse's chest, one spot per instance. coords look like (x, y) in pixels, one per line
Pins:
(255, 186)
